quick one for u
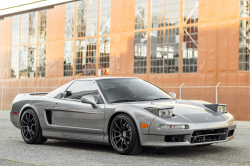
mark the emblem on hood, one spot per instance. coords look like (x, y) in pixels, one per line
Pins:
(207, 118)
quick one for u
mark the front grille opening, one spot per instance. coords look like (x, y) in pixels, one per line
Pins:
(174, 138)
(199, 136)
(230, 133)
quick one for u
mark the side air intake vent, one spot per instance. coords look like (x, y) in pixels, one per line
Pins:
(49, 116)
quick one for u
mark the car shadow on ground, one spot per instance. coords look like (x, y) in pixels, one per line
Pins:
(184, 151)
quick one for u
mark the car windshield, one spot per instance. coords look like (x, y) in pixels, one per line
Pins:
(131, 89)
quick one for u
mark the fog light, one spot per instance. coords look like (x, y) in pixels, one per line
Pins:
(168, 127)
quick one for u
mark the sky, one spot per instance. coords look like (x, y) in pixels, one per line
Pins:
(10, 3)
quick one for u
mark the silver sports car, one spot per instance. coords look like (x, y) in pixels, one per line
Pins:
(127, 113)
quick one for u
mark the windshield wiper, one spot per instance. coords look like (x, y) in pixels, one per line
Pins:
(120, 101)
(162, 99)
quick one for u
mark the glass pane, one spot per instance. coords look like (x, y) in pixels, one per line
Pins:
(104, 51)
(15, 30)
(69, 20)
(68, 58)
(141, 14)
(104, 18)
(42, 26)
(41, 63)
(14, 62)
(190, 11)
(81, 18)
(190, 49)
(171, 51)
(156, 51)
(32, 27)
(92, 17)
(23, 61)
(140, 53)
(31, 61)
(244, 45)
(24, 28)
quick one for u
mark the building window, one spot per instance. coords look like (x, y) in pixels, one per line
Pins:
(140, 54)
(104, 51)
(156, 51)
(141, 14)
(164, 51)
(14, 62)
(28, 61)
(171, 50)
(32, 27)
(85, 60)
(15, 30)
(244, 45)
(244, 8)
(172, 13)
(104, 18)
(32, 61)
(190, 49)
(92, 17)
(24, 28)
(190, 11)
(69, 20)
(170, 16)
(80, 60)
(157, 13)
(41, 64)
(81, 18)
(23, 61)
(42, 26)
(68, 58)
(91, 56)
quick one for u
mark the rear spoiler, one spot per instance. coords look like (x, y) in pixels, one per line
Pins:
(40, 93)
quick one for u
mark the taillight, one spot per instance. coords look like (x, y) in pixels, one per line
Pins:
(15, 113)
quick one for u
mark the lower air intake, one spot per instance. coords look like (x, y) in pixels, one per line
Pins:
(212, 135)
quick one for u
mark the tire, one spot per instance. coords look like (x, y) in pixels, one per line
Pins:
(30, 128)
(124, 136)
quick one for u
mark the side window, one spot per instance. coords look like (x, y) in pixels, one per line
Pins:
(59, 91)
(81, 88)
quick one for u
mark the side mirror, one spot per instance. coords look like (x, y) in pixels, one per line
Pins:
(88, 99)
(173, 94)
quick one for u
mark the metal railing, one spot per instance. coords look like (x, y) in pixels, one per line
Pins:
(208, 93)
(9, 93)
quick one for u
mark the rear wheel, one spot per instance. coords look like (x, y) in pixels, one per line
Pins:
(124, 136)
(30, 128)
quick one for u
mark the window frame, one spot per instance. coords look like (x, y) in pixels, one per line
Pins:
(97, 87)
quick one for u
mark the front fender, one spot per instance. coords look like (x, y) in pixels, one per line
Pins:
(138, 115)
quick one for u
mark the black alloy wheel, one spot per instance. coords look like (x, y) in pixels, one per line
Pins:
(30, 128)
(124, 136)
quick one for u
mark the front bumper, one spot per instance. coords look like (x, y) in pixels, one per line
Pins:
(157, 138)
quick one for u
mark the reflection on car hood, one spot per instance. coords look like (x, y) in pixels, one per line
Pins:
(191, 110)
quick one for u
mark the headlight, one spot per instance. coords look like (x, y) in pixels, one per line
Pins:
(221, 109)
(166, 112)
(169, 127)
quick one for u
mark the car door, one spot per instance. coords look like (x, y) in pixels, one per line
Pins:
(75, 119)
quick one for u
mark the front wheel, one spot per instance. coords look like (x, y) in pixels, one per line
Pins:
(30, 128)
(124, 136)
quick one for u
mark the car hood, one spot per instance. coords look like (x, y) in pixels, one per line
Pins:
(191, 110)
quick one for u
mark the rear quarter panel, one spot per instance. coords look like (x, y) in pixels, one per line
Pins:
(23, 102)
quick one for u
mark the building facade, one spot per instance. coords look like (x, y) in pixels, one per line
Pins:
(167, 42)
